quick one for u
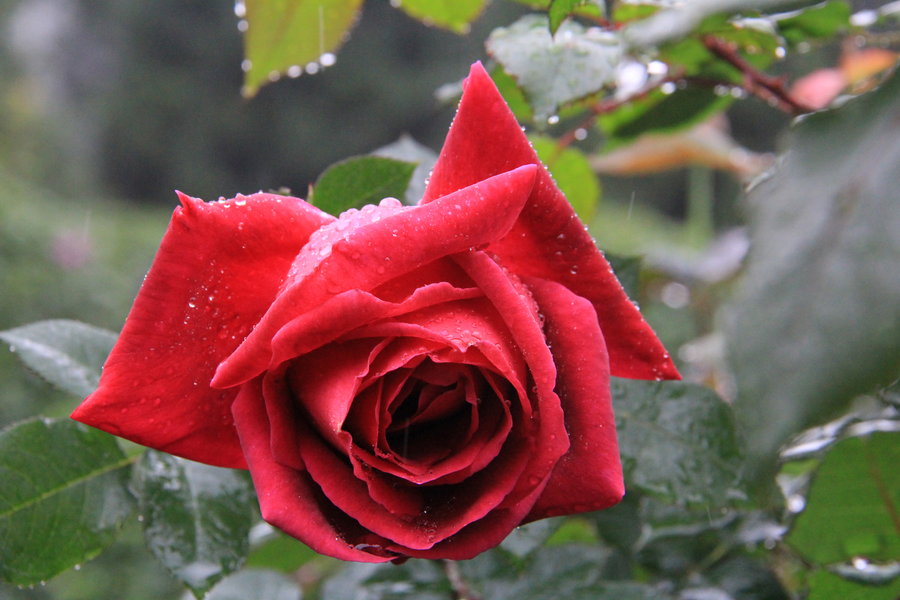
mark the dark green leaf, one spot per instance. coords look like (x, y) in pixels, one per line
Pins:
(658, 112)
(361, 180)
(852, 506)
(256, 583)
(410, 151)
(455, 15)
(818, 319)
(555, 70)
(573, 175)
(677, 440)
(64, 496)
(816, 22)
(196, 517)
(628, 272)
(414, 580)
(824, 585)
(571, 571)
(526, 539)
(284, 36)
(68, 354)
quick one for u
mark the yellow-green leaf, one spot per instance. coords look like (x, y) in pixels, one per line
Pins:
(290, 36)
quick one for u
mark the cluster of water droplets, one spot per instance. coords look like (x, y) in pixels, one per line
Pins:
(323, 241)
(325, 60)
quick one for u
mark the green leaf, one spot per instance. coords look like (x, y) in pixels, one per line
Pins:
(413, 580)
(681, 20)
(817, 321)
(527, 538)
(570, 571)
(555, 70)
(824, 585)
(559, 10)
(64, 496)
(513, 94)
(658, 112)
(196, 517)
(68, 354)
(410, 151)
(256, 583)
(677, 440)
(816, 22)
(285, 36)
(573, 174)
(455, 15)
(852, 505)
(361, 180)
(280, 552)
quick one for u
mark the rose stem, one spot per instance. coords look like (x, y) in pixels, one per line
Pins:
(459, 585)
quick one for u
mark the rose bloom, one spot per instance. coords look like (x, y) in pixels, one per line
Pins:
(400, 381)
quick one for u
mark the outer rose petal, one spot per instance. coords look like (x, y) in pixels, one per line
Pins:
(547, 240)
(217, 271)
(288, 497)
(589, 476)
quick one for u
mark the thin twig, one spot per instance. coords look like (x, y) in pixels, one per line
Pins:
(756, 82)
(457, 582)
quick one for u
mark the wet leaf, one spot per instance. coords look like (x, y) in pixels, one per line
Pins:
(256, 583)
(677, 440)
(455, 15)
(851, 508)
(284, 36)
(555, 70)
(196, 517)
(824, 585)
(410, 151)
(679, 21)
(66, 353)
(362, 180)
(824, 227)
(64, 497)
(816, 22)
(559, 10)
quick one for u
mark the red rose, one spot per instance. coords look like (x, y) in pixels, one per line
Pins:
(401, 381)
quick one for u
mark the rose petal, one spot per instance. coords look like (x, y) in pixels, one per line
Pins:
(370, 256)
(288, 498)
(589, 476)
(547, 240)
(217, 271)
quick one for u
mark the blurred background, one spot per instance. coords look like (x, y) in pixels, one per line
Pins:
(106, 108)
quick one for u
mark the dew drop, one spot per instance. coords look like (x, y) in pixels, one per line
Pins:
(294, 71)
(553, 120)
(246, 65)
(243, 25)
(240, 9)
(668, 87)
(328, 59)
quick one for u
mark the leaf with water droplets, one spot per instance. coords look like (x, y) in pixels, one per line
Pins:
(555, 70)
(360, 180)
(64, 497)
(677, 440)
(256, 583)
(196, 517)
(68, 354)
(817, 321)
(287, 37)
(455, 15)
(851, 508)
